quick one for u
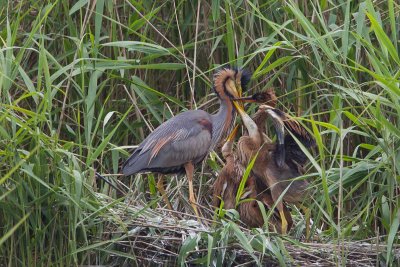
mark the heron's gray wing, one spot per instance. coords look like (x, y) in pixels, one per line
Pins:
(193, 148)
(179, 140)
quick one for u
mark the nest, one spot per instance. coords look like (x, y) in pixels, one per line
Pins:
(136, 234)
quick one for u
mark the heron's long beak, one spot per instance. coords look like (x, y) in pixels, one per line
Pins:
(239, 104)
(236, 91)
(247, 99)
(239, 107)
(240, 91)
(232, 135)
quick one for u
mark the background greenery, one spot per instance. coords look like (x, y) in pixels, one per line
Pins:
(82, 82)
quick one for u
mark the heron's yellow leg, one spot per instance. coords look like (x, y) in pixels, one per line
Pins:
(284, 223)
(160, 187)
(189, 168)
(307, 214)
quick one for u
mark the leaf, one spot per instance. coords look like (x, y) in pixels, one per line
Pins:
(137, 46)
(243, 181)
(5, 236)
(98, 17)
(215, 10)
(90, 104)
(393, 233)
(383, 39)
(273, 65)
(209, 248)
(244, 242)
(78, 5)
(229, 33)
(267, 56)
(188, 245)
(90, 159)
(107, 118)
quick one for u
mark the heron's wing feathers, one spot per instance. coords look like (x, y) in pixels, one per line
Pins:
(175, 142)
(178, 135)
(294, 152)
(172, 129)
(280, 132)
(287, 147)
(299, 131)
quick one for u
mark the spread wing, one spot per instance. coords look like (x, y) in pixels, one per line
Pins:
(287, 147)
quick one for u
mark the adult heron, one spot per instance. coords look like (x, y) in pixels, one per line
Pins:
(183, 141)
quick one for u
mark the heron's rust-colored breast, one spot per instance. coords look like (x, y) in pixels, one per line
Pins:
(206, 124)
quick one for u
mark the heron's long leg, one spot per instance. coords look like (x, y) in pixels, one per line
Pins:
(160, 187)
(275, 193)
(189, 168)
(307, 214)
(284, 222)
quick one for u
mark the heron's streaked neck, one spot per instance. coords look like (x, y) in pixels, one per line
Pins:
(222, 121)
(252, 129)
(260, 118)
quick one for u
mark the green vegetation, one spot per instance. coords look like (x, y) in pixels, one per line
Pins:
(83, 81)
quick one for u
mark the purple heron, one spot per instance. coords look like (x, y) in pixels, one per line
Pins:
(278, 163)
(230, 176)
(183, 141)
(227, 184)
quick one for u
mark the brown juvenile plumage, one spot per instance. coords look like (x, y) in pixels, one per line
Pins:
(226, 187)
(230, 176)
(277, 163)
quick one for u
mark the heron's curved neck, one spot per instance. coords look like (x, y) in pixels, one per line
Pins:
(222, 120)
(252, 129)
(260, 118)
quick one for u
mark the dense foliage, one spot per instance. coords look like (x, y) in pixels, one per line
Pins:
(82, 82)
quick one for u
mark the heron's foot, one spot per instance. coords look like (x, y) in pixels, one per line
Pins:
(193, 203)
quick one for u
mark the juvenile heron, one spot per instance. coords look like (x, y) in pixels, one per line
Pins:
(227, 184)
(226, 188)
(278, 163)
(183, 141)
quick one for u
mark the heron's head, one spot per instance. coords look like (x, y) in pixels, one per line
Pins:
(229, 84)
(277, 115)
(267, 97)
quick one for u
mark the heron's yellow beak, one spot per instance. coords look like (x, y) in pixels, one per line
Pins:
(239, 89)
(236, 91)
(239, 107)
(232, 135)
